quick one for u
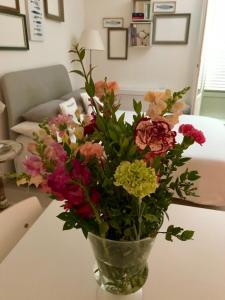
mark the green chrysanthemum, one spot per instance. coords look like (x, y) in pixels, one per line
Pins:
(136, 178)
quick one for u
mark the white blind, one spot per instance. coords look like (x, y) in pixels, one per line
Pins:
(215, 55)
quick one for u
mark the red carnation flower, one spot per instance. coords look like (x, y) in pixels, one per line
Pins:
(189, 130)
(156, 135)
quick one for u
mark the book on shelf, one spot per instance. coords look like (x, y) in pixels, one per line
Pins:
(147, 11)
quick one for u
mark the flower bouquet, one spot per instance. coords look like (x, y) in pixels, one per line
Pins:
(116, 181)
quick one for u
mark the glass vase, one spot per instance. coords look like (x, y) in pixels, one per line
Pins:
(121, 265)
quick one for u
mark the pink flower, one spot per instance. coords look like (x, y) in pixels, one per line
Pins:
(80, 172)
(55, 152)
(102, 86)
(156, 135)
(189, 130)
(58, 180)
(33, 165)
(90, 150)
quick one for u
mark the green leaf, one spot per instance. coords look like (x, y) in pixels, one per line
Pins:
(137, 106)
(78, 72)
(64, 216)
(67, 149)
(186, 235)
(68, 225)
(82, 54)
(193, 175)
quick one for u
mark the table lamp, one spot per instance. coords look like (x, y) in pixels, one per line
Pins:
(2, 107)
(91, 40)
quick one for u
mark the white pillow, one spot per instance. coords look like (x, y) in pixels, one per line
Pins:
(86, 102)
(69, 107)
(26, 128)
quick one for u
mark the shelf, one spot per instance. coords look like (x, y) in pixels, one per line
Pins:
(140, 46)
(141, 22)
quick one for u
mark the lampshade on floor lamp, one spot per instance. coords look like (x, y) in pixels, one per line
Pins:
(2, 107)
(91, 40)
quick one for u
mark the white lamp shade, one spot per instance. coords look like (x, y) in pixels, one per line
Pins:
(91, 40)
(2, 107)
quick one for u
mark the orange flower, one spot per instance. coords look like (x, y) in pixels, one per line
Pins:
(102, 86)
(90, 150)
(156, 97)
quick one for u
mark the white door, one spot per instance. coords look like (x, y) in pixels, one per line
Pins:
(199, 78)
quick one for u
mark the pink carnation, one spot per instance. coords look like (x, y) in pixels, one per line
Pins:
(189, 130)
(33, 165)
(156, 135)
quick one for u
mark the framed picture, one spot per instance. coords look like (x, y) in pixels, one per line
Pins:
(171, 29)
(164, 7)
(113, 22)
(35, 20)
(117, 43)
(54, 10)
(10, 5)
(13, 31)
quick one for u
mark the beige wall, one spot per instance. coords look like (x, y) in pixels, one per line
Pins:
(54, 50)
(155, 67)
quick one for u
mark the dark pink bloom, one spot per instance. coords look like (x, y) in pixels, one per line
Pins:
(74, 195)
(58, 180)
(189, 130)
(33, 165)
(85, 210)
(89, 128)
(156, 135)
(81, 172)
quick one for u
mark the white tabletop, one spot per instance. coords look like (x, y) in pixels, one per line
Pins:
(51, 264)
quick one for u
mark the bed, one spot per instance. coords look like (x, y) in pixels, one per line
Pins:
(25, 89)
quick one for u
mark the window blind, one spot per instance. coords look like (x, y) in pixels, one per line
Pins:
(215, 56)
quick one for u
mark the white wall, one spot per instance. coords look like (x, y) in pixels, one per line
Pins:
(157, 67)
(54, 50)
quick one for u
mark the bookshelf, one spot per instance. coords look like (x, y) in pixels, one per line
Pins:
(140, 27)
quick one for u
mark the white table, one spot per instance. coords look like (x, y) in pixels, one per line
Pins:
(208, 159)
(51, 264)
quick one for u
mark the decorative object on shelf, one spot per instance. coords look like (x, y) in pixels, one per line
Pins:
(117, 43)
(35, 20)
(14, 5)
(176, 24)
(117, 181)
(92, 41)
(54, 10)
(16, 23)
(8, 151)
(113, 22)
(141, 10)
(164, 7)
(140, 34)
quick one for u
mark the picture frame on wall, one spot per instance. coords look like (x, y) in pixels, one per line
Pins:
(12, 5)
(117, 43)
(35, 20)
(164, 7)
(171, 29)
(54, 10)
(113, 22)
(13, 31)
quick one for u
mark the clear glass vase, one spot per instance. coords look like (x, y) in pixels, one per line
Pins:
(121, 265)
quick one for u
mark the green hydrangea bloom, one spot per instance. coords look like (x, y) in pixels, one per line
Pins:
(136, 178)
